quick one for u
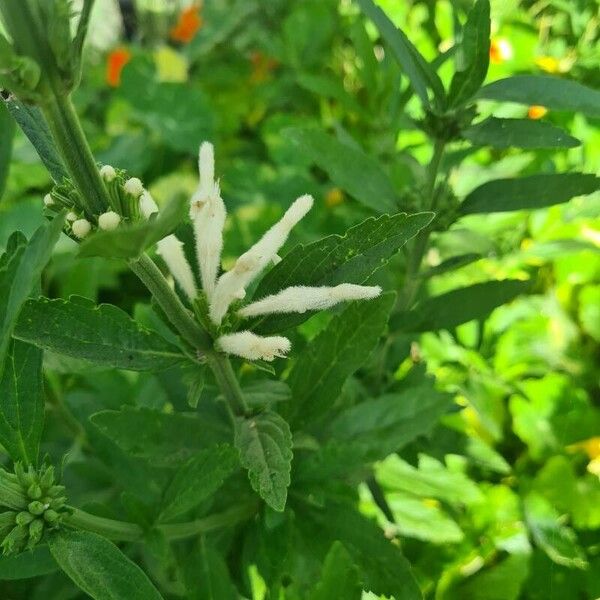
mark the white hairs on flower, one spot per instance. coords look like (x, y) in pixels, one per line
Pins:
(171, 250)
(250, 346)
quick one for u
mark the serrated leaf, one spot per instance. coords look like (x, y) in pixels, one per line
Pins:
(265, 446)
(31, 563)
(518, 133)
(104, 334)
(20, 269)
(7, 127)
(475, 48)
(129, 241)
(31, 121)
(265, 394)
(348, 167)
(200, 477)
(459, 306)
(163, 439)
(206, 574)
(418, 71)
(528, 193)
(22, 402)
(317, 376)
(99, 568)
(385, 424)
(352, 258)
(339, 577)
(384, 569)
(552, 92)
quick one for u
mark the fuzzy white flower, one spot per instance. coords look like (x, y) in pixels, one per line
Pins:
(109, 221)
(171, 250)
(108, 173)
(80, 228)
(250, 346)
(208, 213)
(71, 216)
(302, 298)
(148, 205)
(134, 187)
(48, 200)
(231, 285)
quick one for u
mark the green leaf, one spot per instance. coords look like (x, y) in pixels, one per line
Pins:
(518, 133)
(450, 264)
(527, 193)
(317, 376)
(206, 574)
(129, 241)
(459, 306)
(352, 258)
(558, 541)
(418, 71)
(384, 425)
(348, 167)
(104, 334)
(589, 310)
(99, 568)
(264, 394)
(31, 121)
(339, 577)
(31, 563)
(475, 47)
(265, 446)
(164, 439)
(22, 402)
(384, 569)
(7, 127)
(20, 269)
(552, 92)
(200, 477)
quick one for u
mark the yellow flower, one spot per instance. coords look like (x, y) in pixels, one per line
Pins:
(170, 65)
(537, 112)
(334, 197)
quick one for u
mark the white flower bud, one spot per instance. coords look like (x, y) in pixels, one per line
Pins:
(302, 298)
(252, 262)
(71, 216)
(48, 200)
(134, 187)
(171, 250)
(250, 346)
(109, 220)
(108, 173)
(147, 205)
(81, 228)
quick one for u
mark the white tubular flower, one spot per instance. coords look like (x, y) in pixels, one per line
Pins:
(302, 298)
(208, 213)
(71, 216)
(171, 251)
(80, 228)
(109, 221)
(48, 200)
(147, 205)
(250, 346)
(231, 285)
(134, 187)
(108, 173)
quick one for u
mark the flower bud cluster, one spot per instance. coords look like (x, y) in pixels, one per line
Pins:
(129, 202)
(36, 505)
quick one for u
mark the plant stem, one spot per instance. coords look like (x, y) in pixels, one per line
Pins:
(124, 531)
(71, 142)
(182, 319)
(223, 372)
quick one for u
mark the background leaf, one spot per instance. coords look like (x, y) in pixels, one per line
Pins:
(265, 446)
(533, 191)
(22, 402)
(31, 563)
(339, 577)
(99, 568)
(7, 127)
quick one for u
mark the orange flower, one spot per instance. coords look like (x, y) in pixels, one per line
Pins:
(262, 66)
(501, 50)
(537, 112)
(115, 62)
(188, 24)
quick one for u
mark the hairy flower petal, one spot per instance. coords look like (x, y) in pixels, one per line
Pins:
(302, 298)
(171, 250)
(250, 346)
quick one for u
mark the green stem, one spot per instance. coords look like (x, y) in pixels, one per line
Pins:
(72, 144)
(225, 376)
(123, 531)
(182, 319)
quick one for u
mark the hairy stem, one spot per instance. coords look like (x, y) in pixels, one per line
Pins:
(223, 372)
